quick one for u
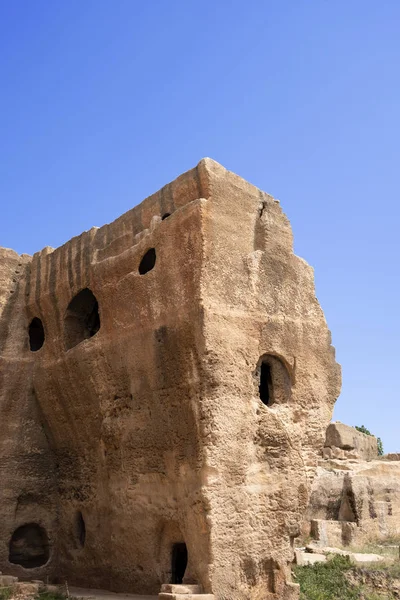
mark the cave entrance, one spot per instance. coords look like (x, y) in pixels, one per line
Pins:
(148, 261)
(80, 528)
(179, 562)
(36, 334)
(29, 546)
(265, 388)
(82, 319)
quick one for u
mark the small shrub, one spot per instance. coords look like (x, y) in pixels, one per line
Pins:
(6, 593)
(47, 595)
(326, 581)
(330, 581)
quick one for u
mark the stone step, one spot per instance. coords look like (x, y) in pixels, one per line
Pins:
(6, 580)
(181, 588)
(166, 596)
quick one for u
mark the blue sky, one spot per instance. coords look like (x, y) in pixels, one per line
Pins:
(104, 101)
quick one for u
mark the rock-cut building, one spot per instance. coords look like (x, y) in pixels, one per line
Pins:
(165, 386)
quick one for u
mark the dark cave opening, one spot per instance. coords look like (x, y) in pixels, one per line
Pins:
(179, 562)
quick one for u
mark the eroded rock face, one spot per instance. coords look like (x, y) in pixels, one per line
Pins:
(355, 502)
(343, 441)
(176, 390)
(355, 497)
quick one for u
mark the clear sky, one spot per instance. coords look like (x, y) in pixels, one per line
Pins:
(102, 102)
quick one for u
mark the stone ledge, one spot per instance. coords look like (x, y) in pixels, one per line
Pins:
(181, 588)
(166, 596)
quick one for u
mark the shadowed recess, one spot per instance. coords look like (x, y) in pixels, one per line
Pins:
(82, 319)
(29, 546)
(80, 529)
(179, 562)
(148, 261)
(273, 380)
(266, 389)
(36, 334)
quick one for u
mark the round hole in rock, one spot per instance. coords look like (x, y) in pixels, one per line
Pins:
(29, 546)
(82, 319)
(36, 334)
(80, 528)
(165, 216)
(148, 261)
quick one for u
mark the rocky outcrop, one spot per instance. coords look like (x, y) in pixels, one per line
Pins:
(355, 496)
(392, 456)
(343, 441)
(354, 502)
(379, 583)
(166, 385)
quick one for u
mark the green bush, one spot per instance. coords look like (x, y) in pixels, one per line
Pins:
(326, 580)
(6, 593)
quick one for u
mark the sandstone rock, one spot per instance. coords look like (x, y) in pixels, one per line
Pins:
(344, 437)
(179, 596)
(7, 580)
(392, 456)
(360, 558)
(326, 550)
(53, 588)
(333, 533)
(166, 383)
(26, 589)
(173, 588)
(354, 502)
(307, 558)
(377, 582)
(355, 557)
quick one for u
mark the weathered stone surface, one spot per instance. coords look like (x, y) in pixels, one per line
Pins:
(392, 456)
(354, 557)
(174, 588)
(307, 558)
(179, 596)
(7, 580)
(343, 441)
(133, 420)
(26, 590)
(354, 502)
(377, 582)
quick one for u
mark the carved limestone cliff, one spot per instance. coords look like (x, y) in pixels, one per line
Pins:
(166, 383)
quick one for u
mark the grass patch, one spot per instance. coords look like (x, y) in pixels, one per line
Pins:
(391, 569)
(386, 549)
(6, 593)
(328, 581)
(47, 595)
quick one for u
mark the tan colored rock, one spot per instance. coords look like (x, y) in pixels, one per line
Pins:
(8, 580)
(333, 533)
(354, 557)
(26, 590)
(164, 381)
(354, 502)
(348, 439)
(307, 558)
(379, 582)
(179, 596)
(174, 588)
(361, 558)
(392, 456)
